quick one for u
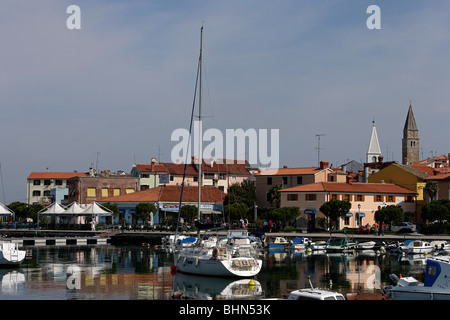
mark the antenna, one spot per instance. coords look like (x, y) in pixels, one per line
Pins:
(318, 147)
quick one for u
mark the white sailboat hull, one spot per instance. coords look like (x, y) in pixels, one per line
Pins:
(221, 267)
(10, 255)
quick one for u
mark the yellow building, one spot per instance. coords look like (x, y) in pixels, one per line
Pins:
(407, 177)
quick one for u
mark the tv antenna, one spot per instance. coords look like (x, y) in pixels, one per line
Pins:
(318, 147)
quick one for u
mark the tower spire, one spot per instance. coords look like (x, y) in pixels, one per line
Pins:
(374, 151)
(410, 141)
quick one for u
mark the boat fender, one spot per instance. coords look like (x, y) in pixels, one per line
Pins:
(196, 262)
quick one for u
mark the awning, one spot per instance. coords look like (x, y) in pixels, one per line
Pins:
(349, 214)
(5, 211)
(360, 214)
(310, 211)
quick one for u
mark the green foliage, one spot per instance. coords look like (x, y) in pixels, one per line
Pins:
(241, 193)
(275, 194)
(189, 212)
(236, 211)
(390, 214)
(431, 189)
(24, 210)
(335, 209)
(285, 214)
(436, 210)
(144, 210)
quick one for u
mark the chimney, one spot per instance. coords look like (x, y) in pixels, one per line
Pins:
(284, 167)
(366, 175)
(323, 164)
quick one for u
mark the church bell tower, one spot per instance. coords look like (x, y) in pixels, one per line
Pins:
(410, 141)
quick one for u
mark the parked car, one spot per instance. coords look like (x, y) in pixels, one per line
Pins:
(410, 227)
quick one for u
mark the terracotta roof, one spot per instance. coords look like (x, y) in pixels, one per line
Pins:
(56, 175)
(191, 169)
(443, 176)
(290, 171)
(210, 194)
(344, 187)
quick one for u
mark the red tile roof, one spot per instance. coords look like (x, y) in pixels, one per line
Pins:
(56, 175)
(235, 168)
(289, 171)
(343, 187)
(209, 194)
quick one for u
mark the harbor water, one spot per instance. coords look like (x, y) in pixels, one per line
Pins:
(143, 272)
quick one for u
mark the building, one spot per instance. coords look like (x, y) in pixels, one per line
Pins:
(410, 141)
(95, 187)
(374, 152)
(291, 177)
(406, 176)
(167, 200)
(219, 174)
(44, 187)
(365, 198)
(443, 181)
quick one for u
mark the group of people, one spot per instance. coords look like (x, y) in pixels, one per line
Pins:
(377, 229)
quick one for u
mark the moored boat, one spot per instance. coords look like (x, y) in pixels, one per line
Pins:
(341, 245)
(298, 243)
(10, 255)
(434, 287)
(416, 246)
(275, 242)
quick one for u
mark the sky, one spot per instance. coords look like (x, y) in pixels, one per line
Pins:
(111, 93)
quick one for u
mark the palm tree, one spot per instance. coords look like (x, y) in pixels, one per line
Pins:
(431, 189)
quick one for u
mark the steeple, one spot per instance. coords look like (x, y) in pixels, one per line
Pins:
(410, 141)
(374, 151)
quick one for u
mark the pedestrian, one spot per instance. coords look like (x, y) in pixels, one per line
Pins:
(270, 225)
(382, 229)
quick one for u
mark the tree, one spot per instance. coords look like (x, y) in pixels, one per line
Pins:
(23, 210)
(390, 214)
(335, 209)
(275, 195)
(436, 210)
(245, 192)
(145, 210)
(285, 214)
(189, 212)
(236, 211)
(431, 189)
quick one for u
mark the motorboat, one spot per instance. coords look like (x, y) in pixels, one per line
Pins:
(275, 243)
(416, 246)
(318, 245)
(10, 255)
(440, 245)
(240, 238)
(367, 245)
(313, 294)
(435, 286)
(298, 243)
(341, 245)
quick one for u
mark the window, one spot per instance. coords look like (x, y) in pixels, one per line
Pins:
(334, 197)
(285, 180)
(195, 178)
(310, 197)
(104, 193)
(299, 180)
(347, 197)
(268, 197)
(292, 197)
(390, 199)
(47, 193)
(145, 175)
(58, 182)
(209, 176)
(36, 182)
(359, 197)
(233, 178)
(36, 193)
(346, 220)
(116, 192)
(172, 178)
(269, 181)
(129, 190)
(47, 182)
(409, 199)
(378, 198)
(91, 192)
(221, 176)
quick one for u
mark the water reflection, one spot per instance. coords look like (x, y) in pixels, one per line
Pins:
(141, 272)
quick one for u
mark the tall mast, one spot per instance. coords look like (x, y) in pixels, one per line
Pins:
(200, 129)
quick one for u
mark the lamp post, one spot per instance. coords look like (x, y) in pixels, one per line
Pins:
(358, 214)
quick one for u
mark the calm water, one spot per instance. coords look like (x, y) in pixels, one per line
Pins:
(143, 273)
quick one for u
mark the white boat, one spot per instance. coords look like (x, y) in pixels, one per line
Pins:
(318, 245)
(435, 286)
(10, 255)
(218, 261)
(416, 246)
(313, 294)
(365, 245)
(298, 243)
(240, 239)
(440, 245)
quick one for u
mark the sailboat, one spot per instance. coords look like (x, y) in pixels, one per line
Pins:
(211, 258)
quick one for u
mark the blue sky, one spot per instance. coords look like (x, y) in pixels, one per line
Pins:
(124, 82)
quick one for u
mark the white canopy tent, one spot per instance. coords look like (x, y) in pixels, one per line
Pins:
(55, 209)
(5, 211)
(94, 209)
